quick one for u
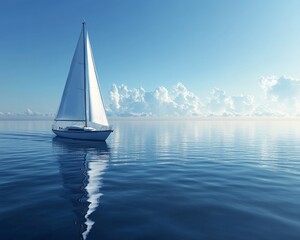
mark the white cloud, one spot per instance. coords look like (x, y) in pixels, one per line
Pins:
(264, 111)
(160, 102)
(28, 114)
(282, 98)
(220, 104)
(282, 94)
(186, 101)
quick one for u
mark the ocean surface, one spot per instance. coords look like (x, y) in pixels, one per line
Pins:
(159, 179)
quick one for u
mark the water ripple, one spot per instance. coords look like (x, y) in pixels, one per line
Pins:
(153, 180)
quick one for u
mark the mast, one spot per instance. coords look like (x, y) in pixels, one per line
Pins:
(84, 71)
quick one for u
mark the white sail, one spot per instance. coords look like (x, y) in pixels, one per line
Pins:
(72, 105)
(96, 106)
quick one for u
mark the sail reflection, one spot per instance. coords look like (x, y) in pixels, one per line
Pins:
(82, 164)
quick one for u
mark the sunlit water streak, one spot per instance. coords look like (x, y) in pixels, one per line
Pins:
(152, 180)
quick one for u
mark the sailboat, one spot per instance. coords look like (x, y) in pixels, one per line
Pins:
(81, 114)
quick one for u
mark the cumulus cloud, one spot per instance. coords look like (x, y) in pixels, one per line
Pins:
(282, 98)
(160, 102)
(282, 94)
(220, 104)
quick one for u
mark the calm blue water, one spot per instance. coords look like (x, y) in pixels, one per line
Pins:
(152, 180)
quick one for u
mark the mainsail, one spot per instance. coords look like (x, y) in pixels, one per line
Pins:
(82, 100)
(72, 106)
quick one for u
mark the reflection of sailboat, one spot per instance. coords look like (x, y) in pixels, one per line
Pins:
(82, 165)
(81, 113)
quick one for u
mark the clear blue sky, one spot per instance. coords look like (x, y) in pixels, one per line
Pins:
(203, 44)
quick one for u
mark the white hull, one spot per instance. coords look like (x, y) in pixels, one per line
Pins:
(84, 135)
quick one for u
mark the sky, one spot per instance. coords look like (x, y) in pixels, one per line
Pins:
(187, 56)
